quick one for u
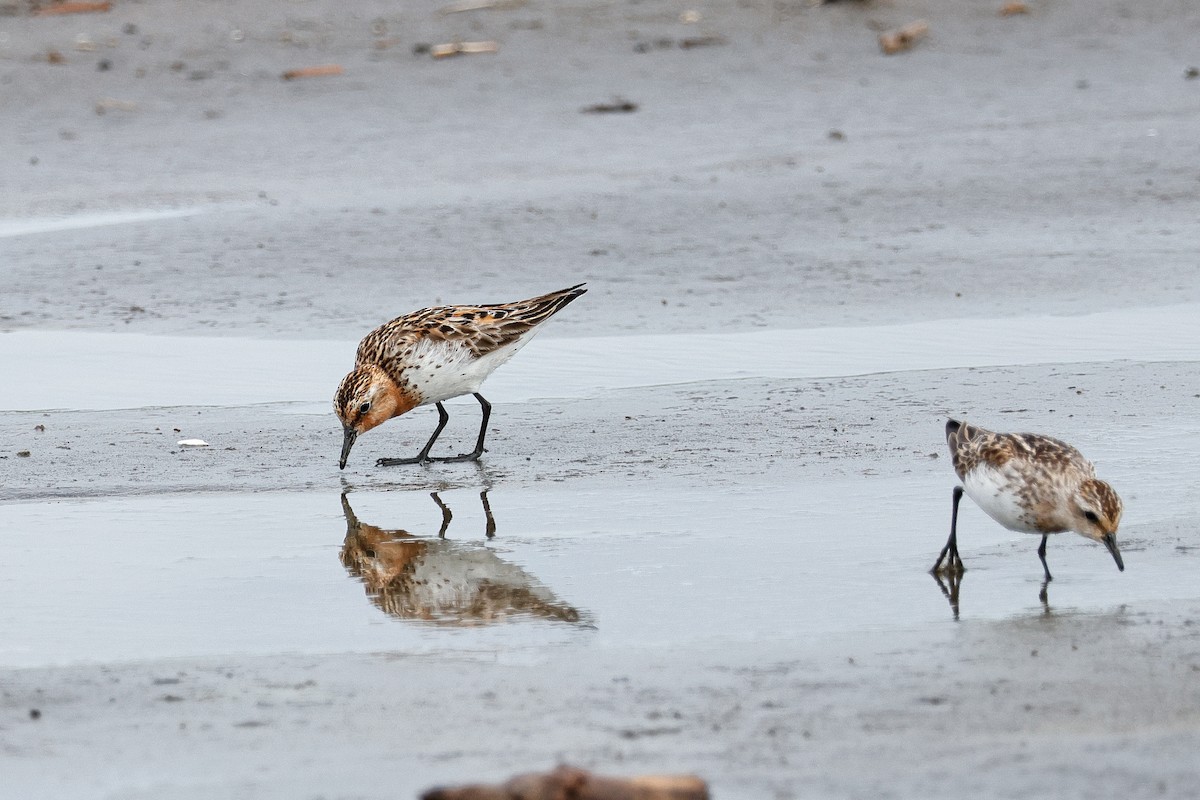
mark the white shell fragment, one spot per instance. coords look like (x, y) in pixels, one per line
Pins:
(192, 443)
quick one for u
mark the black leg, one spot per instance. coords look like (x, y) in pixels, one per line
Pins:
(1042, 556)
(487, 510)
(478, 451)
(486, 408)
(446, 515)
(954, 563)
(423, 456)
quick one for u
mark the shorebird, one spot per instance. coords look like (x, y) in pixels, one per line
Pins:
(1032, 484)
(433, 355)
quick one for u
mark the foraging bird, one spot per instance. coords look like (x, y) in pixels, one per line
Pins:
(433, 355)
(1032, 484)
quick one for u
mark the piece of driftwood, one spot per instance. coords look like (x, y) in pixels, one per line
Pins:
(481, 5)
(619, 105)
(462, 48)
(72, 8)
(571, 783)
(903, 38)
(318, 71)
(106, 104)
(701, 41)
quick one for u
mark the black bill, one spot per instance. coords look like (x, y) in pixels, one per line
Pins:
(352, 434)
(1110, 541)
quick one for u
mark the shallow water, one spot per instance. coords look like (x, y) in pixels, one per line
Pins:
(138, 371)
(172, 576)
(16, 226)
(651, 566)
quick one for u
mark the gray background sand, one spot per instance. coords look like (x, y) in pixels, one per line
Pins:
(1037, 164)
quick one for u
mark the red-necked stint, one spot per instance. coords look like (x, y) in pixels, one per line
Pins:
(1029, 483)
(433, 355)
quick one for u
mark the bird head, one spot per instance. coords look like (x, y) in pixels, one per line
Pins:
(366, 398)
(1095, 513)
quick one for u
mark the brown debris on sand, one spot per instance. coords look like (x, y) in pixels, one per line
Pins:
(903, 38)
(106, 104)
(72, 8)
(462, 48)
(701, 41)
(318, 71)
(481, 5)
(619, 105)
(577, 784)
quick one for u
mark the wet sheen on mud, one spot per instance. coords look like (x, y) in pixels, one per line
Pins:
(139, 371)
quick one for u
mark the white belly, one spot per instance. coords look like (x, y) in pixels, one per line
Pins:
(442, 370)
(996, 494)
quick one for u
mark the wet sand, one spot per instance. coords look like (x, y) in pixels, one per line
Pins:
(721, 570)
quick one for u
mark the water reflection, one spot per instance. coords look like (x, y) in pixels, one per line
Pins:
(950, 587)
(1044, 596)
(951, 584)
(443, 581)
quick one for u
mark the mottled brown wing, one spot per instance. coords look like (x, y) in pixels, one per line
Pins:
(481, 329)
(971, 446)
(1050, 452)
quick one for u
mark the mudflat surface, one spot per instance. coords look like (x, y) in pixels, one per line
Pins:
(1008, 165)
(703, 559)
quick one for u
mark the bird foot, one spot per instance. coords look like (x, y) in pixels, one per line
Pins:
(428, 459)
(952, 566)
(458, 458)
(396, 462)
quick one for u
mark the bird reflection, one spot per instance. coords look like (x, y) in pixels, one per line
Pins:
(442, 581)
(951, 582)
(950, 588)
(1044, 596)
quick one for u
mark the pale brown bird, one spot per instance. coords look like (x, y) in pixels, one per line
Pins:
(1032, 484)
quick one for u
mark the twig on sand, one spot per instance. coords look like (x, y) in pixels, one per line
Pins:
(579, 785)
(318, 71)
(480, 5)
(903, 38)
(619, 105)
(462, 48)
(72, 8)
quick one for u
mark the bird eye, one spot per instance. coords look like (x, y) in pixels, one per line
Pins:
(1090, 516)
(364, 408)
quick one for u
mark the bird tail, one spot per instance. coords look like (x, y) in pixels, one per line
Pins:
(536, 310)
(958, 436)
